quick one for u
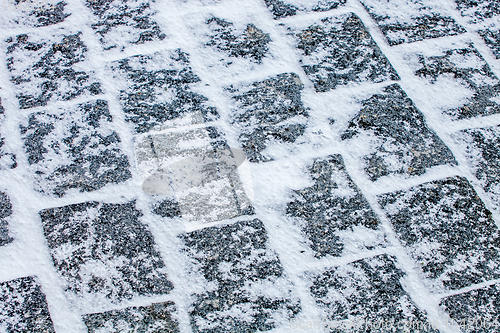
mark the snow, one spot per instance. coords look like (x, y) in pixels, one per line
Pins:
(124, 190)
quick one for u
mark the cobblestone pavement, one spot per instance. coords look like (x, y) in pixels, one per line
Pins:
(246, 166)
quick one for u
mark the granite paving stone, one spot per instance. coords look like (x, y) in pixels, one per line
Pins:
(74, 148)
(103, 252)
(475, 311)
(251, 43)
(491, 37)
(269, 110)
(286, 8)
(120, 23)
(203, 178)
(247, 288)
(154, 318)
(478, 10)
(468, 68)
(367, 296)
(166, 207)
(34, 14)
(448, 231)
(401, 143)
(339, 51)
(336, 216)
(5, 212)
(157, 88)
(23, 307)
(263, 157)
(7, 159)
(406, 21)
(47, 68)
(481, 146)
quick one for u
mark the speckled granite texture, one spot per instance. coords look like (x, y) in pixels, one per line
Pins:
(213, 166)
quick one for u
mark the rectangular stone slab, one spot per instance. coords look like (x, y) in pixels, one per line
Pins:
(479, 10)
(281, 9)
(337, 51)
(367, 296)
(48, 69)
(120, 23)
(156, 90)
(491, 37)
(252, 43)
(475, 311)
(104, 253)
(482, 149)
(154, 318)
(337, 218)
(23, 307)
(264, 111)
(448, 231)
(74, 148)
(32, 13)
(415, 20)
(462, 69)
(5, 212)
(247, 289)
(400, 143)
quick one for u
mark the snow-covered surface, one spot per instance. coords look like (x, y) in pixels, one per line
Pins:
(247, 166)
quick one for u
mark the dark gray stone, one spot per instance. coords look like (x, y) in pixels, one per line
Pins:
(42, 69)
(482, 149)
(478, 10)
(339, 50)
(252, 43)
(167, 207)
(468, 67)
(367, 296)
(113, 17)
(103, 252)
(492, 39)
(448, 231)
(235, 261)
(282, 9)
(411, 20)
(23, 307)
(7, 159)
(263, 110)
(49, 15)
(5, 212)
(155, 318)
(398, 131)
(33, 13)
(154, 96)
(84, 139)
(333, 206)
(476, 311)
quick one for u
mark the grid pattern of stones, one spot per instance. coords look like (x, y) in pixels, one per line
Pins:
(43, 71)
